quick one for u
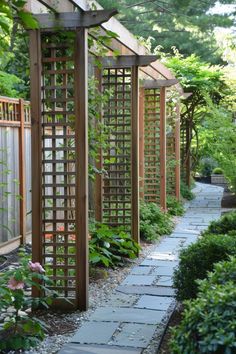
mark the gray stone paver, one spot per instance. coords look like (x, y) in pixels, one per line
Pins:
(126, 323)
(139, 280)
(135, 335)
(95, 333)
(127, 315)
(154, 302)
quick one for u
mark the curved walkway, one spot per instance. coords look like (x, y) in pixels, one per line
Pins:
(141, 305)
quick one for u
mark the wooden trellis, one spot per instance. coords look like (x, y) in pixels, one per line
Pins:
(153, 172)
(60, 151)
(185, 142)
(117, 191)
(173, 151)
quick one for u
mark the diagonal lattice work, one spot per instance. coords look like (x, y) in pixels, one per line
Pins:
(116, 188)
(152, 183)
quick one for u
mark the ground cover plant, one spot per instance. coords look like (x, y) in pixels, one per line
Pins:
(174, 206)
(208, 323)
(198, 259)
(110, 247)
(21, 330)
(186, 192)
(154, 222)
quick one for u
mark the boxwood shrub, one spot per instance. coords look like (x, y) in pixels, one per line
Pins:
(209, 322)
(198, 259)
(226, 224)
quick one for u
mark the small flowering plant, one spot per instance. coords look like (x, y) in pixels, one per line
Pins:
(20, 329)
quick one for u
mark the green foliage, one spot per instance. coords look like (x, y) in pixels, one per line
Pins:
(186, 192)
(189, 25)
(153, 222)
(217, 171)
(206, 166)
(110, 247)
(209, 322)
(20, 330)
(198, 259)
(174, 206)
(223, 272)
(8, 83)
(225, 225)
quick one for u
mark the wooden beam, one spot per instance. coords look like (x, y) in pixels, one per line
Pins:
(163, 147)
(141, 142)
(81, 153)
(135, 153)
(58, 6)
(36, 147)
(126, 61)
(177, 151)
(22, 170)
(186, 95)
(72, 20)
(155, 84)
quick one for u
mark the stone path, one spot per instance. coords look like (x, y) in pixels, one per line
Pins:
(141, 305)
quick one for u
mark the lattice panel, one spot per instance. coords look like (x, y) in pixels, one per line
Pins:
(58, 162)
(152, 145)
(116, 195)
(183, 152)
(10, 110)
(170, 151)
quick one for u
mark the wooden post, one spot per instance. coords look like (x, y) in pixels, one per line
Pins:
(163, 147)
(99, 163)
(188, 158)
(36, 148)
(135, 152)
(22, 172)
(141, 142)
(81, 153)
(177, 152)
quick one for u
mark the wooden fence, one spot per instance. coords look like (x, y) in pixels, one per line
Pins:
(15, 170)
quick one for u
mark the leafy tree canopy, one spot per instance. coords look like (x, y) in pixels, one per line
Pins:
(187, 24)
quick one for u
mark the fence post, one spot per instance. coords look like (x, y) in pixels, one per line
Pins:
(163, 147)
(22, 188)
(141, 142)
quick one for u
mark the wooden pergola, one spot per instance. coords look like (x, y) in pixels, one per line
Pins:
(59, 73)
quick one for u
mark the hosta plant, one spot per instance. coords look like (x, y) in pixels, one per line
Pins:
(20, 329)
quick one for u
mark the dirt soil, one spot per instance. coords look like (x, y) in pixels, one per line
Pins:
(174, 321)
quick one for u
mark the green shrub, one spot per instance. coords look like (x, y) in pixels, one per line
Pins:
(186, 192)
(208, 324)
(110, 247)
(223, 272)
(153, 222)
(198, 259)
(174, 206)
(217, 171)
(226, 224)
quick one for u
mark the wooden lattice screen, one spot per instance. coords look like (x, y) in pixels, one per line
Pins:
(185, 153)
(117, 190)
(59, 236)
(117, 159)
(154, 146)
(172, 151)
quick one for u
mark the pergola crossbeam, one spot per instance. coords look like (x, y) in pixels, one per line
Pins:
(72, 20)
(154, 84)
(127, 61)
